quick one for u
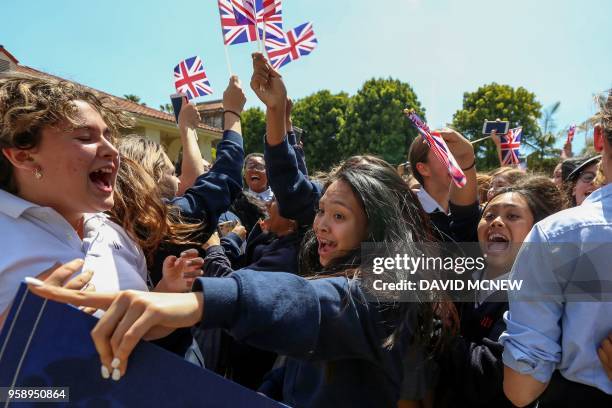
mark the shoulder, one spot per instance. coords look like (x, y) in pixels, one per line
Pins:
(572, 222)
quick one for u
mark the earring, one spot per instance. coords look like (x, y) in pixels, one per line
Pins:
(38, 173)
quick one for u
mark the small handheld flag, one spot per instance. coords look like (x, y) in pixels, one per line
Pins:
(233, 31)
(294, 44)
(510, 146)
(190, 78)
(437, 144)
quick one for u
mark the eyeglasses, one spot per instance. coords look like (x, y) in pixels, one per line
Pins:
(256, 166)
(587, 177)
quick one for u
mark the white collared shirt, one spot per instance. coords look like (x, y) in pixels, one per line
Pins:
(33, 238)
(266, 195)
(427, 202)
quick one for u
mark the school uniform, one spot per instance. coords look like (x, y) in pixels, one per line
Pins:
(332, 336)
(34, 238)
(471, 367)
(297, 196)
(264, 252)
(456, 224)
(210, 196)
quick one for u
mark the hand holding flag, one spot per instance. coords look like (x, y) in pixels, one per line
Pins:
(190, 78)
(436, 143)
(267, 83)
(510, 145)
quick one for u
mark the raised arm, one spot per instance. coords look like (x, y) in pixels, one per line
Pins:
(191, 165)
(213, 192)
(296, 195)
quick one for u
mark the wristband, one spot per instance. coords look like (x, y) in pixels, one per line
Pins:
(232, 112)
(473, 164)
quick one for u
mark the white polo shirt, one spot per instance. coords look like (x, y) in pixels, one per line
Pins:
(427, 202)
(33, 238)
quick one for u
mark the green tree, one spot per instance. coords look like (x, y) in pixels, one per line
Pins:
(134, 98)
(375, 123)
(495, 101)
(253, 130)
(168, 108)
(321, 115)
(544, 158)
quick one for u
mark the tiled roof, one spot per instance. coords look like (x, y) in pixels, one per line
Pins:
(210, 106)
(123, 103)
(8, 54)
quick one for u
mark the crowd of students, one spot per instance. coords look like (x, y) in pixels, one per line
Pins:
(263, 284)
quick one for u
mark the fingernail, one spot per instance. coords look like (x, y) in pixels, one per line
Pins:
(104, 372)
(116, 374)
(33, 281)
(115, 363)
(89, 272)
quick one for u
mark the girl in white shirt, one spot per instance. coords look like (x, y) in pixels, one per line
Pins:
(58, 168)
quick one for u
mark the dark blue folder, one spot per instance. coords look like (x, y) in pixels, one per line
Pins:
(47, 344)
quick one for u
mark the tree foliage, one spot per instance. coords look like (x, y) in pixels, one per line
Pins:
(321, 116)
(253, 130)
(545, 156)
(495, 101)
(134, 98)
(375, 123)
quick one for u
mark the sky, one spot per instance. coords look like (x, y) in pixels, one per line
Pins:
(561, 50)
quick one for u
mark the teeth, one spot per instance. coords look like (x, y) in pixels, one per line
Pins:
(495, 236)
(106, 170)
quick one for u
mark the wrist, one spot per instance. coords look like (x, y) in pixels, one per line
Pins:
(232, 112)
(469, 166)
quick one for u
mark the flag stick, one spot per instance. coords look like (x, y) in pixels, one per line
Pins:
(227, 59)
(256, 27)
(481, 139)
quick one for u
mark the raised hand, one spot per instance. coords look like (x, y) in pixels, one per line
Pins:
(460, 147)
(268, 84)
(189, 117)
(179, 273)
(233, 96)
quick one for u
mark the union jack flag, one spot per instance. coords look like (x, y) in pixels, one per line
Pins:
(437, 144)
(294, 44)
(510, 146)
(570, 133)
(233, 31)
(190, 78)
(260, 13)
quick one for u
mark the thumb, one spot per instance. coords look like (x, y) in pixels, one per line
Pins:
(169, 262)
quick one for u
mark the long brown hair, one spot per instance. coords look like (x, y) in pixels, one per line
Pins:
(396, 220)
(140, 210)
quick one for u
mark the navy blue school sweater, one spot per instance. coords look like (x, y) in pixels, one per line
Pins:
(209, 197)
(297, 196)
(332, 336)
(213, 192)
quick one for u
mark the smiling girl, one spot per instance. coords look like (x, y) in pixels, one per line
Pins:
(58, 170)
(472, 368)
(57, 173)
